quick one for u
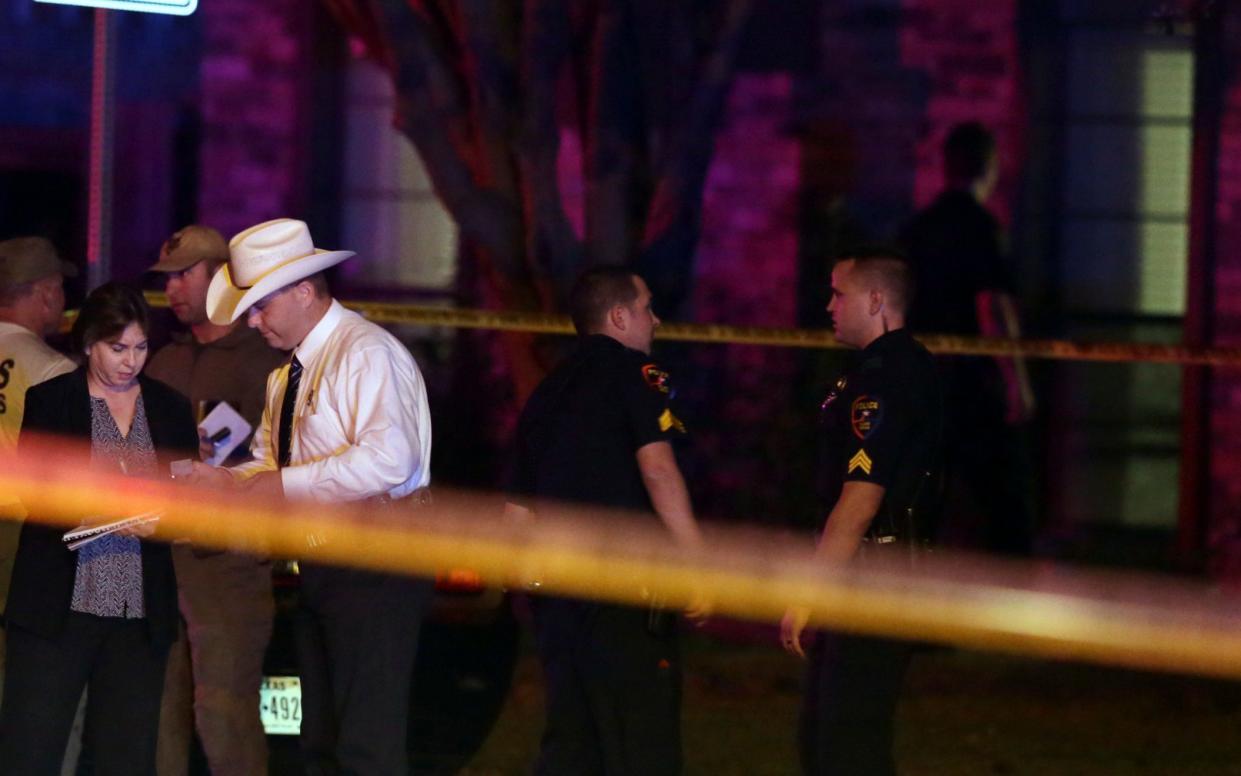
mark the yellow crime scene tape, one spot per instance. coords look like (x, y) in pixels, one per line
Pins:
(541, 323)
(397, 313)
(1030, 609)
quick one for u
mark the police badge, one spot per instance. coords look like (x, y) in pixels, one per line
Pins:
(834, 393)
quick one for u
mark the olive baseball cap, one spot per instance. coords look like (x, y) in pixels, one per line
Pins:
(27, 259)
(189, 246)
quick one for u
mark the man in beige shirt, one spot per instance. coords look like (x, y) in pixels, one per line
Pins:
(225, 598)
(32, 300)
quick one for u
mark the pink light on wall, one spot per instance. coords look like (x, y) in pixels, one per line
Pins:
(747, 257)
(255, 104)
(969, 53)
(569, 174)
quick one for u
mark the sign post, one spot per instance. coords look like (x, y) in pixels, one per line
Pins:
(99, 204)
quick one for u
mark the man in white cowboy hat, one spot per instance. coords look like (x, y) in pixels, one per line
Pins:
(225, 598)
(345, 420)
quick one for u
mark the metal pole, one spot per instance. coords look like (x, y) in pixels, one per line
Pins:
(99, 206)
(1193, 518)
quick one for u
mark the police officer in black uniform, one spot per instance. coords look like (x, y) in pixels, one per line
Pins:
(598, 431)
(881, 433)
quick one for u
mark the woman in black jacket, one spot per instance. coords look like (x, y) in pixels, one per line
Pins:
(103, 617)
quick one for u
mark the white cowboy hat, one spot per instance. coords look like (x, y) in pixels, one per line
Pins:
(263, 259)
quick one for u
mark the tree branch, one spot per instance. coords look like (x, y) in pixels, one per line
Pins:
(432, 109)
(553, 250)
(615, 137)
(672, 222)
(490, 40)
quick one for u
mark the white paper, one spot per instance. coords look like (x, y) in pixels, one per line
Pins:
(84, 535)
(224, 416)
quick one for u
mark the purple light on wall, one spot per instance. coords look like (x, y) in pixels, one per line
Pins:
(747, 257)
(969, 54)
(254, 108)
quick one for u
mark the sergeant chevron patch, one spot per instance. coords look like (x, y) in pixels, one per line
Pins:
(667, 420)
(860, 461)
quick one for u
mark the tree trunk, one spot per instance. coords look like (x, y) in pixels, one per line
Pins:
(479, 92)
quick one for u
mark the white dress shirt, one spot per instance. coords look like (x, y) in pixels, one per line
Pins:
(361, 426)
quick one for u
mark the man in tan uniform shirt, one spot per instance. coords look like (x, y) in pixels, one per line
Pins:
(225, 598)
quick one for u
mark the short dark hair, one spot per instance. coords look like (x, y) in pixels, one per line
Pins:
(598, 290)
(886, 268)
(319, 283)
(968, 150)
(108, 311)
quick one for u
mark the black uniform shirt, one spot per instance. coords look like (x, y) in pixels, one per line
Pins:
(579, 434)
(882, 423)
(956, 250)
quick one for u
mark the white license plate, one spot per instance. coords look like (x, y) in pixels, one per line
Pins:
(280, 705)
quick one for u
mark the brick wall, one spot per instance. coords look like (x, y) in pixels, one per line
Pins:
(745, 273)
(255, 76)
(893, 77)
(874, 106)
(968, 53)
(747, 255)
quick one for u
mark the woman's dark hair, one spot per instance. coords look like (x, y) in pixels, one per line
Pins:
(107, 311)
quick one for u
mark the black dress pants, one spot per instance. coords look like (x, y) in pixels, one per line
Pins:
(613, 691)
(111, 657)
(848, 715)
(357, 636)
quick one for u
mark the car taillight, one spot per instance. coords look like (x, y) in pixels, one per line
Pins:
(459, 581)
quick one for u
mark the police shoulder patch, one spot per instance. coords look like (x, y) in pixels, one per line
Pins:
(656, 378)
(865, 415)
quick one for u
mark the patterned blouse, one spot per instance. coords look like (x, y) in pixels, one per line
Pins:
(109, 571)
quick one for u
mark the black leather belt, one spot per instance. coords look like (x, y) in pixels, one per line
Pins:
(418, 499)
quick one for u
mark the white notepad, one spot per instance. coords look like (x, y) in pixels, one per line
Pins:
(224, 417)
(80, 537)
